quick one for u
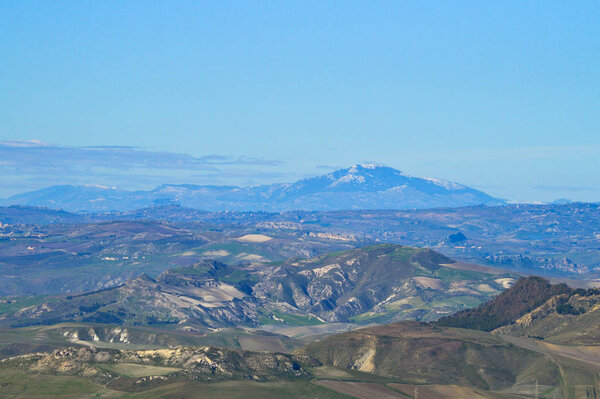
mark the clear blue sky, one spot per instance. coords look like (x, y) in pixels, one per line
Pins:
(500, 95)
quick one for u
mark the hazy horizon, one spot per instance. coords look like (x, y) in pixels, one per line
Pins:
(501, 97)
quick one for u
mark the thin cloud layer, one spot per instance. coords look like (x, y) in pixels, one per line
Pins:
(567, 188)
(32, 164)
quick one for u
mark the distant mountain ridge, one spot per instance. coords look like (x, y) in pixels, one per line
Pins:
(366, 186)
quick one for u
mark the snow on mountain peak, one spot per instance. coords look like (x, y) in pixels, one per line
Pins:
(349, 178)
(362, 167)
(448, 185)
(362, 186)
(368, 165)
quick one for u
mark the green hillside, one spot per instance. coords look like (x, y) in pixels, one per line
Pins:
(376, 284)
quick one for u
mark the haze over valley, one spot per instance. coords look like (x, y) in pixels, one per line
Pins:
(304, 200)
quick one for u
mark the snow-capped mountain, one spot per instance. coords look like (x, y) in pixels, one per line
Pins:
(365, 186)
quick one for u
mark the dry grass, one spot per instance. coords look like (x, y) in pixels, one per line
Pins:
(438, 391)
(361, 390)
(587, 354)
(139, 370)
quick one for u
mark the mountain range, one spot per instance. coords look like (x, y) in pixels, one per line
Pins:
(365, 186)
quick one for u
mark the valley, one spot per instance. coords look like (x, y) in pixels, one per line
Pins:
(172, 301)
(101, 250)
(397, 360)
(299, 200)
(497, 359)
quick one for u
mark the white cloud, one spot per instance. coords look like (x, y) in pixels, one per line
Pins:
(32, 164)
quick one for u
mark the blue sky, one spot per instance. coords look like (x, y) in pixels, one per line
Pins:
(503, 96)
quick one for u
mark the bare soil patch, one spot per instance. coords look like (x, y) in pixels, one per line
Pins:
(254, 238)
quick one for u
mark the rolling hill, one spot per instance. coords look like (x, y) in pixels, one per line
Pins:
(535, 308)
(137, 370)
(564, 319)
(423, 353)
(548, 240)
(394, 360)
(380, 283)
(536, 339)
(191, 297)
(373, 284)
(526, 295)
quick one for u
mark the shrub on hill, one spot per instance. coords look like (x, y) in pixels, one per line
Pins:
(526, 295)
